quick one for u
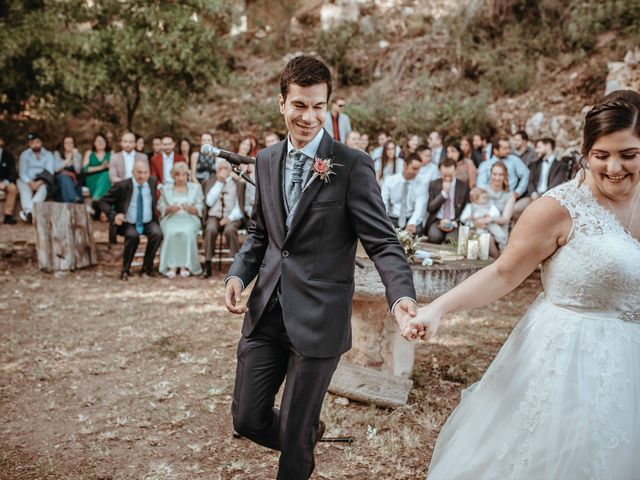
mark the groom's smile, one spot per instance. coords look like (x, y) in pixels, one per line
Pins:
(304, 110)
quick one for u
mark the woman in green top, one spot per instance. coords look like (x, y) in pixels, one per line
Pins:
(95, 167)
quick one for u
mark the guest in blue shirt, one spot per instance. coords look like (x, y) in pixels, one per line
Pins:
(33, 161)
(518, 171)
(131, 205)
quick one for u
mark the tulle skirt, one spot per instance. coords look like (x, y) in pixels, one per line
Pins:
(561, 400)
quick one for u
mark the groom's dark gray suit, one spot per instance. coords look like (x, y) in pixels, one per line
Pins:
(298, 322)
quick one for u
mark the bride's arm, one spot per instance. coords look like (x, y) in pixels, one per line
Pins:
(542, 228)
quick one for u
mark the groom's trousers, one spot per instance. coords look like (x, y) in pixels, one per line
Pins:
(265, 358)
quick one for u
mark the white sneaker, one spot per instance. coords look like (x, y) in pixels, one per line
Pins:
(171, 274)
(184, 272)
(23, 216)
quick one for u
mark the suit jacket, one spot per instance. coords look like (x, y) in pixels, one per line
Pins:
(558, 173)
(344, 125)
(156, 165)
(436, 200)
(8, 167)
(314, 260)
(240, 190)
(118, 198)
(117, 171)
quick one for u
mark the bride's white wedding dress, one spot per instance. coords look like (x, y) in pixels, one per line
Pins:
(561, 400)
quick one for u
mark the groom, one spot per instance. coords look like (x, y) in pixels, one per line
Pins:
(301, 244)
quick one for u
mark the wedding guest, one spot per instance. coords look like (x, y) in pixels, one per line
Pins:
(224, 199)
(162, 163)
(428, 171)
(481, 214)
(156, 147)
(249, 192)
(33, 163)
(131, 205)
(544, 174)
(447, 197)
(336, 123)
(203, 166)
(121, 163)
(68, 163)
(477, 152)
(248, 146)
(413, 142)
(184, 147)
(466, 169)
(364, 142)
(353, 140)
(405, 198)
(271, 138)
(438, 152)
(504, 200)
(180, 206)
(522, 148)
(95, 166)
(8, 176)
(518, 171)
(140, 144)
(383, 137)
(390, 163)
(467, 150)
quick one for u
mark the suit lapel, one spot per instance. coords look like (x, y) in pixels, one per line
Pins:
(128, 192)
(275, 184)
(325, 150)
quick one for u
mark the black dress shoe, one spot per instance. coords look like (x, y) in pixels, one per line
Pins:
(124, 276)
(321, 428)
(207, 269)
(147, 273)
(9, 220)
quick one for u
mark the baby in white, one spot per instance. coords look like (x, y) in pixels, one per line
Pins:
(480, 209)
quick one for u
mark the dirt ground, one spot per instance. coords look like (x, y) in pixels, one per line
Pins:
(102, 379)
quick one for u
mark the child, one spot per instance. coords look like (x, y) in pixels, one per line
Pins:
(481, 209)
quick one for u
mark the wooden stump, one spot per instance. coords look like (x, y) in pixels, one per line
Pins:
(64, 236)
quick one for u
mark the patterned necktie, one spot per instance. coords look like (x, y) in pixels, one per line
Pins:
(402, 218)
(140, 212)
(295, 186)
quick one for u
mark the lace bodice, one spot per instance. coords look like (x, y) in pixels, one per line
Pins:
(599, 267)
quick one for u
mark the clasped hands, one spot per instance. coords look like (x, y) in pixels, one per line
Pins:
(416, 323)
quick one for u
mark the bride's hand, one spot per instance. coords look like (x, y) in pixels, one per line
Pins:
(427, 320)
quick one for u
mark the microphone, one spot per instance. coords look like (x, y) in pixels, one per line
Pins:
(211, 151)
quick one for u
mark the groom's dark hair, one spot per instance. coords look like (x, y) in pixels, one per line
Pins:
(304, 71)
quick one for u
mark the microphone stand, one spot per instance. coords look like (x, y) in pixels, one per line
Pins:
(220, 233)
(241, 174)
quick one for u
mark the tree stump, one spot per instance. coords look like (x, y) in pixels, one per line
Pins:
(64, 236)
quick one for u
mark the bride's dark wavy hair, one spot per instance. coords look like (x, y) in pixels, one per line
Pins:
(616, 111)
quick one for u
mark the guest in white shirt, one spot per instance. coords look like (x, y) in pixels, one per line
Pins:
(438, 151)
(121, 163)
(428, 171)
(376, 154)
(405, 198)
(390, 163)
(33, 161)
(162, 162)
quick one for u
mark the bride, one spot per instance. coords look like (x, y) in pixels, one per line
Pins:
(561, 400)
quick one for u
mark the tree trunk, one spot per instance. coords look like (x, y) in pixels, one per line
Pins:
(64, 236)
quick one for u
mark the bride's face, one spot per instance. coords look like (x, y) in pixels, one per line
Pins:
(614, 162)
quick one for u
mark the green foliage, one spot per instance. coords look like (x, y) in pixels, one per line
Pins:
(113, 57)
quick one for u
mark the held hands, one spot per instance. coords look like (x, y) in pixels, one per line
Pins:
(232, 296)
(429, 317)
(404, 313)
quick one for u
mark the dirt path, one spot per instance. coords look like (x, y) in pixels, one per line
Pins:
(102, 379)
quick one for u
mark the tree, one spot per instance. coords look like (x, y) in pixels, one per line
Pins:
(114, 57)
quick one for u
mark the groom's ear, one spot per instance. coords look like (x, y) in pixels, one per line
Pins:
(281, 101)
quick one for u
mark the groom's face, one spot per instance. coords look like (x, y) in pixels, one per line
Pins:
(304, 110)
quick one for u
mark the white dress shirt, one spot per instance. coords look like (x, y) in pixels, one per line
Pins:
(129, 160)
(543, 181)
(232, 206)
(132, 211)
(415, 204)
(451, 195)
(167, 165)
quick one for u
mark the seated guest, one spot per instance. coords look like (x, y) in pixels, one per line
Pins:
(447, 197)
(249, 191)
(95, 166)
(481, 149)
(8, 176)
(413, 142)
(248, 146)
(353, 140)
(545, 173)
(364, 142)
(428, 171)
(390, 163)
(184, 147)
(68, 163)
(224, 199)
(376, 154)
(121, 163)
(438, 152)
(271, 138)
(162, 163)
(33, 163)
(140, 144)
(181, 207)
(481, 214)
(504, 200)
(405, 198)
(518, 171)
(203, 166)
(522, 148)
(131, 205)
(156, 148)
(466, 170)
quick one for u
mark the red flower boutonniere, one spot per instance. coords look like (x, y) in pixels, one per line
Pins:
(323, 168)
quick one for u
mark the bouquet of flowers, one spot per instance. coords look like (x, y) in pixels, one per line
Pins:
(409, 243)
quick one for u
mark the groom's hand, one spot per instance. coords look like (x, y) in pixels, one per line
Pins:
(404, 312)
(232, 294)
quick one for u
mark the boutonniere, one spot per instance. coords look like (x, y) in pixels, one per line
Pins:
(323, 168)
